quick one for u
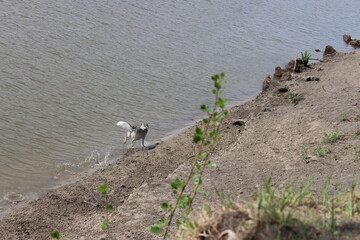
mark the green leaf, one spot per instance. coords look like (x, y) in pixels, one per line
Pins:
(222, 102)
(103, 188)
(197, 138)
(213, 133)
(215, 77)
(217, 85)
(203, 192)
(176, 184)
(205, 120)
(184, 201)
(161, 223)
(219, 117)
(105, 226)
(164, 206)
(222, 75)
(213, 165)
(204, 108)
(102, 238)
(197, 181)
(155, 230)
(203, 155)
(178, 223)
(199, 131)
(55, 235)
(198, 166)
(110, 208)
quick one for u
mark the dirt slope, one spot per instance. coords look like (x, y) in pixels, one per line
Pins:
(279, 140)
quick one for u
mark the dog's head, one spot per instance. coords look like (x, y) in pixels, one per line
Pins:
(144, 126)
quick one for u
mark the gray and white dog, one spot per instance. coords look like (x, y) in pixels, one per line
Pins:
(136, 133)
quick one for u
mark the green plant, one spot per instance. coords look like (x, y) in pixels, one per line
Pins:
(205, 139)
(357, 154)
(352, 207)
(105, 226)
(325, 194)
(56, 235)
(322, 151)
(305, 57)
(331, 138)
(279, 207)
(304, 154)
(343, 117)
(293, 98)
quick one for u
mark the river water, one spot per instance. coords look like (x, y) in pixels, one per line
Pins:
(69, 70)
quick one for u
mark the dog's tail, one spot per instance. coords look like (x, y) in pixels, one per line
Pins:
(125, 125)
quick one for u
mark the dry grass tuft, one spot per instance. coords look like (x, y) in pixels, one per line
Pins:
(276, 214)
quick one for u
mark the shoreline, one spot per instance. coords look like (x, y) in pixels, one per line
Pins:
(87, 172)
(139, 180)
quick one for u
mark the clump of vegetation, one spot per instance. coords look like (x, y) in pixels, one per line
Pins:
(305, 57)
(281, 214)
(293, 99)
(205, 139)
(331, 138)
(357, 154)
(56, 235)
(322, 151)
(343, 117)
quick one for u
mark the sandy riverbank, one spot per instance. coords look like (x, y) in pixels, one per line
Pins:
(279, 140)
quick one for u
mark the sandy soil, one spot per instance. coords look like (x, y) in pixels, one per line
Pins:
(279, 140)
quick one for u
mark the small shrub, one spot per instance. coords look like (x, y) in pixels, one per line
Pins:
(56, 235)
(322, 151)
(305, 57)
(343, 118)
(331, 138)
(293, 98)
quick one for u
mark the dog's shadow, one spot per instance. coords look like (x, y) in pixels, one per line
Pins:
(146, 148)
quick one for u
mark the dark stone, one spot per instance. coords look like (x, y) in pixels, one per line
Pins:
(239, 122)
(281, 74)
(278, 72)
(266, 83)
(283, 89)
(286, 76)
(310, 79)
(329, 50)
(317, 50)
(296, 65)
(347, 38)
(355, 43)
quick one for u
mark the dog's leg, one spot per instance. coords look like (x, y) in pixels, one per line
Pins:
(132, 143)
(127, 136)
(142, 141)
